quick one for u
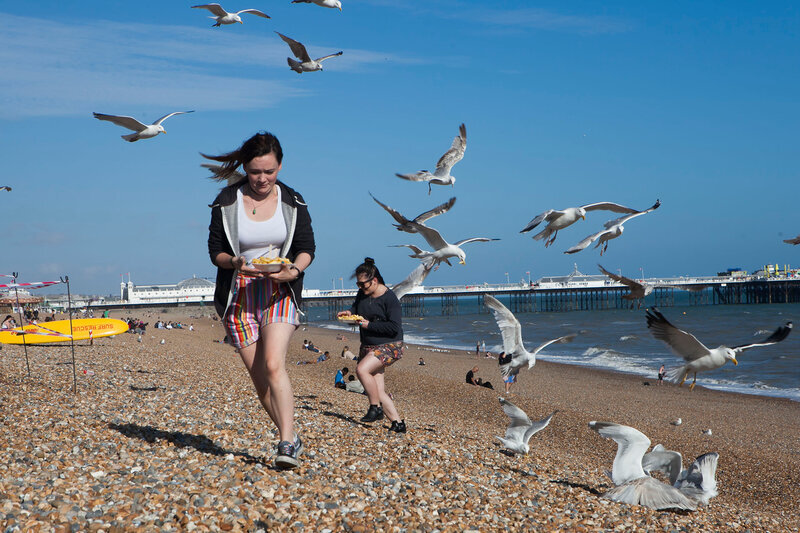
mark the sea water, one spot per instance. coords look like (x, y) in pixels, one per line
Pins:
(619, 340)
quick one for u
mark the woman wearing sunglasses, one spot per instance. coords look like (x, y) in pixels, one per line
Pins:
(381, 334)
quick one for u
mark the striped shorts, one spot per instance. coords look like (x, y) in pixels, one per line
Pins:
(256, 303)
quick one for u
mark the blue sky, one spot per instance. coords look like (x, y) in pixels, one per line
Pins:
(564, 103)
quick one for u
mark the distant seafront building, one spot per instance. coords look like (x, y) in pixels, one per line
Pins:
(192, 290)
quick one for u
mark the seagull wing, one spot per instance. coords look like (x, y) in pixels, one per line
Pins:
(586, 242)
(254, 12)
(216, 9)
(417, 176)
(663, 460)
(631, 447)
(536, 427)
(298, 49)
(609, 206)
(549, 216)
(438, 210)
(682, 343)
(475, 239)
(510, 328)
(413, 248)
(561, 340)
(323, 58)
(637, 289)
(165, 117)
(777, 336)
(433, 237)
(414, 279)
(126, 122)
(395, 214)
(455, 153)
(5, 188)
(621, 220)
(519, 423)
(796, 240)
(699, 481)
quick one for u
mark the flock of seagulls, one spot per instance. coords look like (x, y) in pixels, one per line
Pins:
(222, 17)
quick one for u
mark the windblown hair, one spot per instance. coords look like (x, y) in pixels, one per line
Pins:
(262, 143)
(369, 269)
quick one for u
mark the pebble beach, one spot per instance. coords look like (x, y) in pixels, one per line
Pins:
(171, 437)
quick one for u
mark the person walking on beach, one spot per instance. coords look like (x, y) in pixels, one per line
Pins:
(504, 359)
(259, 310)
(381, 334)
(661, 373)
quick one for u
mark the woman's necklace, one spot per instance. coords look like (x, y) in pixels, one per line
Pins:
(257, 205)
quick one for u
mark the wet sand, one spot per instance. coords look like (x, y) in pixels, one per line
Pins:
(171, 437)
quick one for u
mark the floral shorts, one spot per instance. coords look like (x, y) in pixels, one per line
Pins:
(386, 353)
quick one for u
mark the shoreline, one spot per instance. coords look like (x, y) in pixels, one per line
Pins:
(163, 435)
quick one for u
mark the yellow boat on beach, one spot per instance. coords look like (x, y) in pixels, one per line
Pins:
(59, 331)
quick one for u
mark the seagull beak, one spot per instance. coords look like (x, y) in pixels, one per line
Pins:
(583, 217)
(340, 8)
(462, 262)
(240, 22)
(735, 362)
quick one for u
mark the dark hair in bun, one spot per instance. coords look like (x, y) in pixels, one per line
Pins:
(369, 269)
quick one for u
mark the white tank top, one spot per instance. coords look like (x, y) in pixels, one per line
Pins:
(255, 238)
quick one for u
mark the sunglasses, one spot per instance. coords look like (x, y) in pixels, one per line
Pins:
(363, 284)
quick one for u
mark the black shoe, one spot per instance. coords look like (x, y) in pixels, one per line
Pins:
(374, 413)
(398, 427)
(288, 452)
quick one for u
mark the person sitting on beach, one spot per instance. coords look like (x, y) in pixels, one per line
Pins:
(313, 348)
(338, 381)
(421, 361)
(8, 323)
(381, 333)
(471, 379)
(347, 354)
(323, 357)
(353, 385)
(305, 344)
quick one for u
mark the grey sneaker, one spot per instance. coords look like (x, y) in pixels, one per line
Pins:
(288, 452)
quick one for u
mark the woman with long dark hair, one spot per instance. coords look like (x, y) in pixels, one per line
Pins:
(260, 311)
(381, 334)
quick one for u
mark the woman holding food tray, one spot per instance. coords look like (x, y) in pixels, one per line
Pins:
(261, 241)
(378, 313)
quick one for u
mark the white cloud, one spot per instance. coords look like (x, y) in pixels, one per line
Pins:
(52, 68)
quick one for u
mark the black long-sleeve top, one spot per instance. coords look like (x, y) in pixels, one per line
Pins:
(385, 318)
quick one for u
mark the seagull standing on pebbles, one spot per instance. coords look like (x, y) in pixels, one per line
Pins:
(306, 64)
(143, 131)
(520, 428)
(511, 330)
(442, 176)
(333, 4)
(223, 17)
(677, 422)
(614, 229)
(557, 220)
(698, 357)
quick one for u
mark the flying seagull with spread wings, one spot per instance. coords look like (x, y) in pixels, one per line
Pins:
(5, 188)
(404, 224)
(223, 17)
(633, 485)
(560, 219)
(143, 131)
(306, 64)
(520, 428)
(333, 4)
(414, 279)
(442, 248)
(511, 330)
(442, 176)
(796, 240)
(638, 290)
(613, 229)
(698, 357)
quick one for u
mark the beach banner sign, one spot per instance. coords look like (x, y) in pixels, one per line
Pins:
(59, 331)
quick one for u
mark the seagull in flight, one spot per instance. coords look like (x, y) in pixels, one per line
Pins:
(143, 131)
(405, 224)
(633, 485)
(638, 290)
(698, 357)
(511, 330)
(5, 188)
(442, 176)
(414, 279)
(223, 17)
(306, 64)
(520, 428)
(442, 249)
(796, 240)
(613, 230)
(560, 219)
(333, 4)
